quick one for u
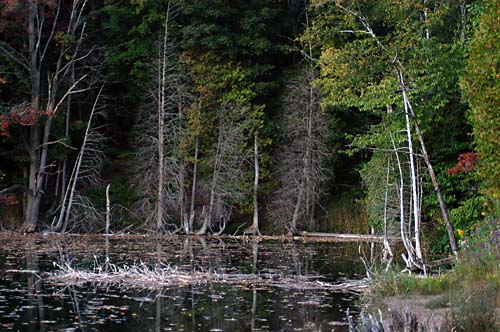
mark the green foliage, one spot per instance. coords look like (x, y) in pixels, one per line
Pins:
(393, 283)
(235, 52)
(471, 287)
(359, 42)
(64, 39)
(481, 86)
(474, 309)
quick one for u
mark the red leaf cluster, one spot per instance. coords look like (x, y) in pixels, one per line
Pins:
(466, 162)
(4, 126)
(8, 200)
(28, 116)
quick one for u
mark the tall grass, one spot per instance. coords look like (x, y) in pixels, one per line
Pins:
(346, 215)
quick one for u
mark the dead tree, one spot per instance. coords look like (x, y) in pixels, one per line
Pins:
(412, 115)
(86, 169)
(159, 161)
(228, 163)
(299, 162)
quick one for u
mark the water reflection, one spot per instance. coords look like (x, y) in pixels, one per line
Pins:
(27, 303)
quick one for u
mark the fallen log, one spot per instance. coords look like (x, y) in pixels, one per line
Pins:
(441, 262)
(352, 237)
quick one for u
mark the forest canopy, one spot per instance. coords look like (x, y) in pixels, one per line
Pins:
(260, 116)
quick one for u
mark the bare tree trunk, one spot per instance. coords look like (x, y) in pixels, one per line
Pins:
(414, 195)
(387, 247)
(108, 210)
(30, 222)
(296, 211)
(161, 126)
(161, 169)
(435, 183)
(193, 185)
(308, 165)
(182, 186)
(255, 222)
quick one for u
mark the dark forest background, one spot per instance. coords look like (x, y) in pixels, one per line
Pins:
(264, 116)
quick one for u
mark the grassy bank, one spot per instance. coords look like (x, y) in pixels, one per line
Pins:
(470, 290)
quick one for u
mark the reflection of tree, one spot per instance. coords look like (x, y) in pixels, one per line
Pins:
(73, 293)
(158, 322)
(255, 252)
(64, 258)
(35, 310)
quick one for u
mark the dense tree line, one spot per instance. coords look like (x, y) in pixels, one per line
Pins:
(223, 116)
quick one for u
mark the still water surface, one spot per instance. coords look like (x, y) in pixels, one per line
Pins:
(29, 303)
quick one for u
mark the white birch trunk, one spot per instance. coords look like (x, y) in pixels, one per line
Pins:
(108, 210)
(435, 183)
(414, 196)
(255, 222)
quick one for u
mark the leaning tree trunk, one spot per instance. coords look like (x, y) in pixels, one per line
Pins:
(435, 183)
(414, 196)
(65, 211)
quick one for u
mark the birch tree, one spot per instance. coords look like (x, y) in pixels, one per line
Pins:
(370, 72)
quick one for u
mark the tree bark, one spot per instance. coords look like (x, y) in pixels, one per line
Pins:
(414, 196)
(193, 185)
(30, 222)
(435, 183)
(255, 222)
(108, 210)
(161, 126)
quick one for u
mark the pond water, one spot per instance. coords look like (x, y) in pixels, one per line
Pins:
(29, 302)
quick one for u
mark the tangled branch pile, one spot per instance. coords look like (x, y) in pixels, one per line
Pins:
(142, 276)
